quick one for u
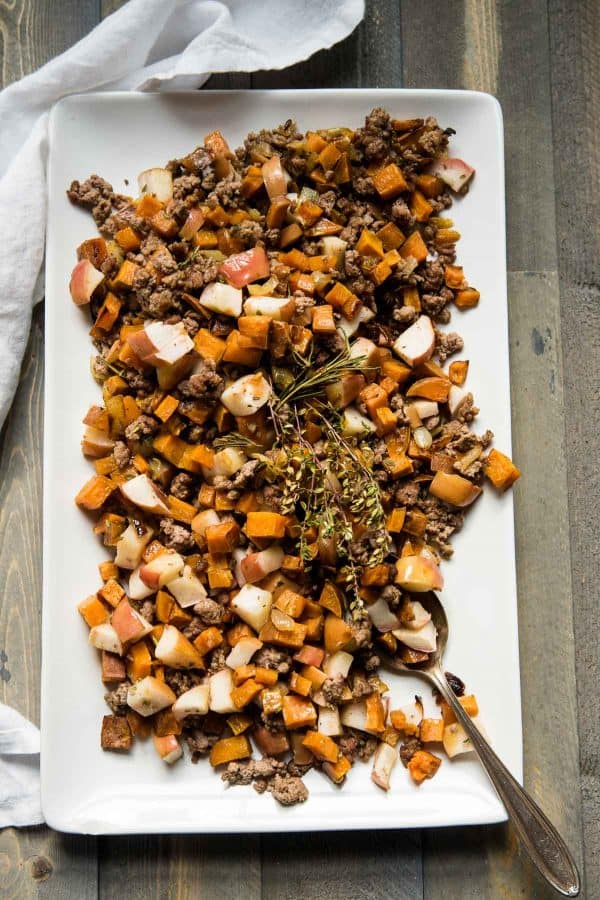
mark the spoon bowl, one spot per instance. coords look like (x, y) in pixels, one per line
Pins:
(433, 605)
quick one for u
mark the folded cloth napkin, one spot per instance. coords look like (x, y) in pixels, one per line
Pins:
(146, 45)
(19, 770)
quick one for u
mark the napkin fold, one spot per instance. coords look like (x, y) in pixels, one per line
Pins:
(147, 45)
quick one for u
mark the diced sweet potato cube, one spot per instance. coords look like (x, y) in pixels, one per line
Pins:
(390, 236)
(180, 510)
(300, 685)
(381, 271)
(164, 723)
(289, 235)
(95, 492)
(116, 733)
(389, 182)
(308, 213)
(375, 713)
(108, 570)
(378, 576)
(374, 397)
(321, 746)
(314, 627)
(165, 409)
(395, 520)
(125, 275)
(420, 206)
(93, 249)
(208, 639)
(148, 206)
(329, 156)
(314, 142)
(468, 703)
(107, 316)
(277, 210)
(243, 673)
(265, 525)
(385, 421)
(112, 592)
(267, 677)
(337, 771)
(338, 634)
(228, 749)
(430, 185)
(501, 470)
(322, 319)
(222, 538)
(220, 578)
(93, 611)
(239, 723)
(457, 371)
(255, 329)
(423, 765)
(431, 731)
(395, 370)
(298, 712)
(291, 603)
(208, 346)
(294, 638)
(369, 244)
(237, 632)
(128, 239)
(139, 663)
(242, 350)
(245, 693)
(301, 281)
(339, 295)
(113, 668)
(414, 246)
(467, 298)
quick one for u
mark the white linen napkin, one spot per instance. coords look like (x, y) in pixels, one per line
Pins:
(19, 770)
(146, 45)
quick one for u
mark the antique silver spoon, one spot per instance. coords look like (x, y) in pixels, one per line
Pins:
(538, 835)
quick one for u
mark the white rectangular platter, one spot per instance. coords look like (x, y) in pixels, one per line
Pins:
(87, 790)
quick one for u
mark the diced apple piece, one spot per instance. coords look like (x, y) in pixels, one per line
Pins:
(226, 462)
(247, 395)
(455, 738)
(192, 224)
(335, 246)
(136, 589)
(161, 570)
(275, 177)
(456, 396)
(95, 443)
(131, 544)
(354, 424)
(384, 760)
(354, 715)
(242, 653)
(222, 299)
(243, 268)
(104, 637)
(337, 664)
(142, 492)
(161, 344)
(381, 616)
(364, 347)
(149, 695)
(128, 623)
(418, 574)
(417, 343)
(221, 686)
(192, 703)
(187, 588)
(252, 605)
(408, 718)
(341, 393)
(175, 650)
(168, 748)
(351, 326)
(456, 173)
(281, 309)
(328, 721)
(85, 278)
(420, 615)
(158, 182)
(425, 408)
(454, 489)
(254, 566)
(425, 639)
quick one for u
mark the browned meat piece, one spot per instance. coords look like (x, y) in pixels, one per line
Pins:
(333, 689)
(182, 486)
(209, 611)
(447, 344)
(288, 789)
(176, 537)
(95, 194)
(121, 454)
(143, 426)
(205, 384)
(271, 658)
(117, 699)
(116, 733)
(408, 749)
(246, 772)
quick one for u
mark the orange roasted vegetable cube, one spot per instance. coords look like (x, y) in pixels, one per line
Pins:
(369, 244)
(390, 236)
(107, 314)
(389, 182)
(245, 693)
(291, 603)
(128, 239)
(414, 246)
(242, 350)
(265, 525)
(139, 664)
(322, 319)
(93, 611)
(423, 765)
(125, 275)
(431, 731)
(501, 470)
(95, 492)
(467, 298)
(321, 746)
(208, 639)
(457, 371)
(300, 685)
(420, 207)
(148, 206)
(298, 712)
(337, 771)
(256, 329)
(395, 520)
(222, 538)
(228, 749)
(112, 592)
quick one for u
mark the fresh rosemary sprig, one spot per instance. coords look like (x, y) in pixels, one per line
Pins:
(311, 382)
(236, 440)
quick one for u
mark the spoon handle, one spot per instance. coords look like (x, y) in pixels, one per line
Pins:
(538, 835)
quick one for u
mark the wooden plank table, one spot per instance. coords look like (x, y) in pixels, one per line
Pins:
(541, 59)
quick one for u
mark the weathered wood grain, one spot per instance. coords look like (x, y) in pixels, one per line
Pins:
(574, 30)
(503, 48)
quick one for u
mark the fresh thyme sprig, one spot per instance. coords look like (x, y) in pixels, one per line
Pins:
(311, 382)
